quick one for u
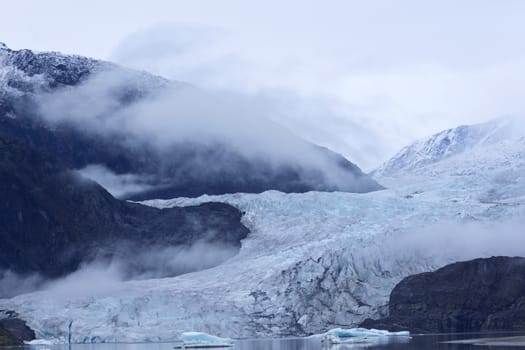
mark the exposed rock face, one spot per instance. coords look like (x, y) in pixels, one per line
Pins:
(13, 331)
(52, 220)
(477, 295)
(185, 168)
(7, 339)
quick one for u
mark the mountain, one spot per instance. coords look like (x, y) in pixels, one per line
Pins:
(491, 155)
(314, 261)
(90, 113)
(13, 331)
(53, 221)
(471, 296)
(469, 148)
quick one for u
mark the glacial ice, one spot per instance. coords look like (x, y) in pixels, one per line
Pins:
(313, 261)
(35, 342)
(358, 335)
(203, 340)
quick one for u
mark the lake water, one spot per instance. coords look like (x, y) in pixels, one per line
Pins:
(417, 342)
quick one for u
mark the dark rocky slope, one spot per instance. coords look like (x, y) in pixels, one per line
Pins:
(472, 296)
(181, 169)
(13, 331)
(52, 220)
(8, 339)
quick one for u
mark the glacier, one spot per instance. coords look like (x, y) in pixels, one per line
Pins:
(313, 261)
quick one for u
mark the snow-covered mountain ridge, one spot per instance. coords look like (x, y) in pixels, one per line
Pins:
(476, 147)
(313, 260)
(25, 71)
(491, 155)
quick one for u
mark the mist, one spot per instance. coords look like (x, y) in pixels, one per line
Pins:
(447, 242)
(171, 116)
(434, 245)
(366, 108)
(393, 69)
(158, 262)
(103, 276)
(119, 185)
(395, 84)
(177, 114)
(12, 283)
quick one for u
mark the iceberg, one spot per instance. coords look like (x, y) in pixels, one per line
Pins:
(203, 340)
(43, 342)
(359, 335)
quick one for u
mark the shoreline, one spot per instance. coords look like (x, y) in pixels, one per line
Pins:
(502, 341)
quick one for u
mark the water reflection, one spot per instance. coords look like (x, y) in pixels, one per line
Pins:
(427, 342)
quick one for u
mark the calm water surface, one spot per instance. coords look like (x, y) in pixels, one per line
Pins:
(423, 342)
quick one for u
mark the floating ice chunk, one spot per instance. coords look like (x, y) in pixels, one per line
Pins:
(359, 335)
(44, 342)
(203, 340)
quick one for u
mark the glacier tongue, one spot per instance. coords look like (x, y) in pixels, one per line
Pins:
(312, 261)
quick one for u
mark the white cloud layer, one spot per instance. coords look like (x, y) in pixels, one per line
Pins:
(363, 78)
(227, 122)
(119, 185)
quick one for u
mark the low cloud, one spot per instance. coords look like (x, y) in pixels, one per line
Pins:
(434, 246)
(397, 85)
(129, 261)
(95, 279)
(12, 283)
(171, 261)
(119, 185)
(180, 115)
(451, 241)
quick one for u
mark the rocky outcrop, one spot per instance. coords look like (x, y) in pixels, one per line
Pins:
(7, 339)
(472, 296)
(52, 220)
(13, 330)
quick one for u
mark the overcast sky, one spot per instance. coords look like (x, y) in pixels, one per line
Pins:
(361, 77)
